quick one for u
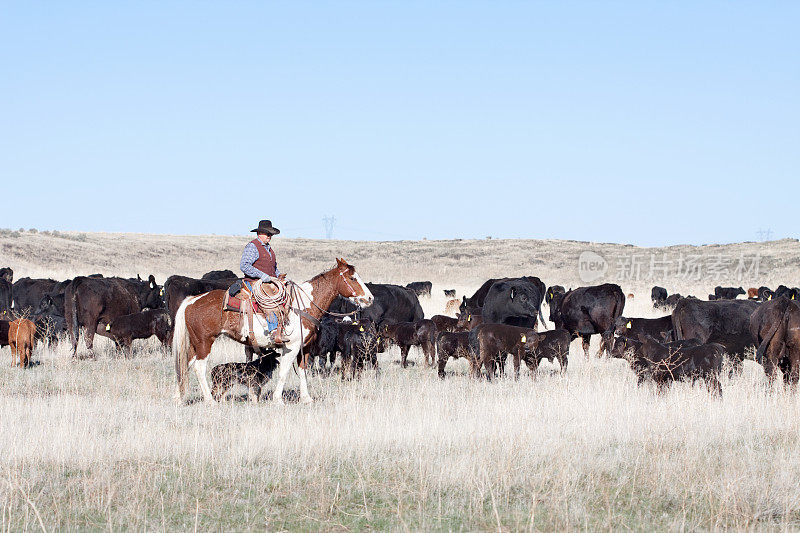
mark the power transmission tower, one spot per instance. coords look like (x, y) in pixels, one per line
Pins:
(764, 234)
(329, 222)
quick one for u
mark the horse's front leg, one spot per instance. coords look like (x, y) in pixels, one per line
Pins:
(286, 360)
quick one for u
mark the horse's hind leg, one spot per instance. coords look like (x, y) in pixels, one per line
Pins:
(200, 367)
(286, 360)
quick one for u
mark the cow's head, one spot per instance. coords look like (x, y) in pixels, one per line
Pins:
(151, 294)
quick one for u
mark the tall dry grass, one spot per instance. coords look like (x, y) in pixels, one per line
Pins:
(101, 445)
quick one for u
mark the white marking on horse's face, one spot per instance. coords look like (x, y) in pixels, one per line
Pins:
(365, 300)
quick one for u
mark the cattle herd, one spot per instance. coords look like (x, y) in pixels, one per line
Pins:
(501, 318)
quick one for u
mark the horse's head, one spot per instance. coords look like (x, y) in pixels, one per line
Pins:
(349, 284)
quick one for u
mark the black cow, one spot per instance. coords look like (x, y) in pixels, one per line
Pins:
(5, 298)
(359, 346)
(551, 345)
(27, 293)
(776, 324)
(587, 311)
(177, 288)
(7, 274)
(514, 301)
(220, 274)
(659, 297)
(672, 301)
(726, 322)
(94, 302)
(420, 288)
(665, 364)
(783, 290)
(453, 344)
(552, 292)
(658, 328)
(450, 293)
(421, 333)
(765, 294)
(727, 293)
(764, 324)
(476, 300)
(325, 346)
(392, 304)
(125, 328)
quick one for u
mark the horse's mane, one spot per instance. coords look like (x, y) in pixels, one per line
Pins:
(322, 274)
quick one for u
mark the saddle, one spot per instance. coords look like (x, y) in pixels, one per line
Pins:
(253, 297)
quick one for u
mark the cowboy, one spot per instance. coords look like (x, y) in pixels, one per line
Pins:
(258, 262)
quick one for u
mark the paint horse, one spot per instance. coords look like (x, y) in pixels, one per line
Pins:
(201, 319)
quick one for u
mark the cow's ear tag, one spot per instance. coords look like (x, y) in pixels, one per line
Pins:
(161, 292)
(379, 339)
(469, 317)
(628, 325)
(524, 338)
(108, 327)
(361, 328)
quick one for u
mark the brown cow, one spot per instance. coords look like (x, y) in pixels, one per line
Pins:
(752, 293)
(469, 319)
(492, 342)
(21, 339)
(445, 323)
(451, 307)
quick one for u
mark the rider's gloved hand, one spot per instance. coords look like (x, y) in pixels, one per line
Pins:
(282, 277)
(268, 278)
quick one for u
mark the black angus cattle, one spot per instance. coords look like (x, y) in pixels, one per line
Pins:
(765, 294)
(777, 325)
(125, 328)
(5, 298)
(27, 293)
(552, 345)
(325, 346)
(665, 364)
(672, 300)
(727, 293)
(177, 288)
(658, 328)
(7, 274)
(445, 323)
(420, 288)
(469, 319)
(587, 311)
(94, 302)
(477, 299)
(783, 290)
(392, 304)
(453, 344)
(421, 333)
(450, 293)
(658, 295)
(765, 322)
(514, 301)
(359, 346)
(220, 274)
(552, 291)
(49, 317)
(726, 322)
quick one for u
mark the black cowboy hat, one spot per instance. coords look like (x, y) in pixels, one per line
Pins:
(265, 226)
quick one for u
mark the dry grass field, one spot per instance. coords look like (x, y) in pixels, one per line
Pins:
(100, 444)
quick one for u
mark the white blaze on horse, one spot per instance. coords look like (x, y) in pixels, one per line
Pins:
(201, 319)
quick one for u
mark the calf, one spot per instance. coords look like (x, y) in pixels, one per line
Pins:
(450, 293)
(469, 319)
(727, 293)
(360, 345)
(658, 328)
(765, 294)
(21, 339)
(664, 365)
(452, 344)
(445, 323)
(325, 346)
(143, 325)
(421, 333)
(552, 292)
(253, 374)
(752, 293)
(452, 307)
(551, 345)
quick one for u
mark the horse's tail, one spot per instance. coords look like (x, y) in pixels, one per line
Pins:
(180, 348)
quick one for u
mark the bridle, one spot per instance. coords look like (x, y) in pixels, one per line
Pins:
(298, 287)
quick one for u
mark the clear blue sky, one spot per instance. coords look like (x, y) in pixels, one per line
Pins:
(639, 122)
